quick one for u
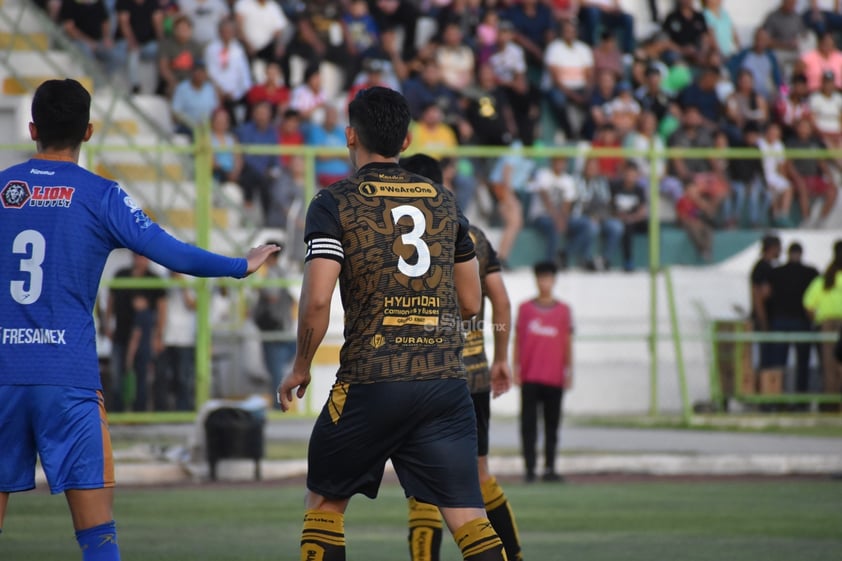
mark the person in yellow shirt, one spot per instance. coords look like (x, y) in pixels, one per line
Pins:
(823, 302)
(430, 132)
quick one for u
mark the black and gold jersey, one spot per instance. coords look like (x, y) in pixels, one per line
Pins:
(397, 237)
(473, 356)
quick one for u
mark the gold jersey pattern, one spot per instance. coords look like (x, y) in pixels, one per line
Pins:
(473, 355)
(397, 237)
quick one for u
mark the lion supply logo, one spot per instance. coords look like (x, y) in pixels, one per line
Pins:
(140, 217)
(17, 194)
(408, 190)
(31, 336)
(378, 341)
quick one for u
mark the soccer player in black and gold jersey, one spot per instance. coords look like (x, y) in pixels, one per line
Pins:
(484, 381)
(407, 274)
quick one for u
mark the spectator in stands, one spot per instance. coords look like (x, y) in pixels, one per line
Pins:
(628, 205)
(608, 16)
(823, 302)
(139, 31)
(591, 221)
(821, 17)
(696, 214)
(795, 106)
(509, 179)
(607, 56)
(193, 101)
(230, 167)
(489, 112)
(363, 34)
(260, 130)
(721, 27)
(776, 172)
(177, 56)
(176, 370)
(372, 76)
(646, 138)
(605, 91)
(392, 14)
(569, 67)
(486, 32)
(761, 293)
(88, 24)
(308, 97)
(290, 133)
(826, 109)
(786, 30)
(509, 65)
(788, 284)
(320, 37)
(811, 176)
(683, 171)
(428, 88)
(826, 57)
(702, 95)
(206, 16)
(288, 188)
(430, 132)
(553, 191)
(744, 106)
(623, 111)
(760, 60)
(272, 90)
(330, 133)
(687, 29)
(651, 96)
(228, 68)
(455, 59)
(533, 22)
(747, 185)
(607, 136)
(263, 29)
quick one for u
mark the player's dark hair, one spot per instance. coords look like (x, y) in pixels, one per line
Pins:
(380, 117)
(61, 111)
(545, 268)
(834, 267)
(425, 165)
(769, 241)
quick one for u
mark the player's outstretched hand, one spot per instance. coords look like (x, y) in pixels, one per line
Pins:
(258, 255)
(291, 381)
(501, 378)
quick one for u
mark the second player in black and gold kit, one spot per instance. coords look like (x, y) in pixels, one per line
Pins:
(407, 272)
(484, 381)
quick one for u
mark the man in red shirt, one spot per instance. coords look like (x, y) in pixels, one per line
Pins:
(543, 359)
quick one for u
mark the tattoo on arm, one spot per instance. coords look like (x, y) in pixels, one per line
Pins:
(306, 341)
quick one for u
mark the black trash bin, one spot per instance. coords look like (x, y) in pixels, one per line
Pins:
(234, 433)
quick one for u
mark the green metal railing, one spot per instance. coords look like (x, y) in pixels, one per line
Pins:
(202, 153)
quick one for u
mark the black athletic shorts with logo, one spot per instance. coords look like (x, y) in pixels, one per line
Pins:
(427, 428)
(482, 410)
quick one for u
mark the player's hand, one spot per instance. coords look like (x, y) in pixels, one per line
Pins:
(292, 380)
(258, 255)
(501, 378)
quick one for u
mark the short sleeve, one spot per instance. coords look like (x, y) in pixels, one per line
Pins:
(493, 265)
(323, 229)
(464, 245)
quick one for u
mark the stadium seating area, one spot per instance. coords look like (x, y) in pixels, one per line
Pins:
(569, 73)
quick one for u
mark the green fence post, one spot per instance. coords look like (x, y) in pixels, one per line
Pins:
(204, 185)
(686, 412)
(654, 267)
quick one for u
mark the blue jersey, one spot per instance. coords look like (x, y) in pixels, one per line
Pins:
(58, 224)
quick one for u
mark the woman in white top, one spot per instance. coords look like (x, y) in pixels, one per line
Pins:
(646, 137)
(775, 172)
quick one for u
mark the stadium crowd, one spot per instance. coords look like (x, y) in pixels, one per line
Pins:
(509, 73)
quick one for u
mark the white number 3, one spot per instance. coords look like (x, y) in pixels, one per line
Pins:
(32, 265)
(413, 238)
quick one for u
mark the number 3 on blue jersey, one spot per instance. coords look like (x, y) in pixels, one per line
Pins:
(32, 243)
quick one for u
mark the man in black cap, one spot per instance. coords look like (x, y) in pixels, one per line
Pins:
(651, 96)
(786, 312)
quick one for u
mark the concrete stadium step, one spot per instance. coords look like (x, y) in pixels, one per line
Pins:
(139, 171)
(31, 21)
(136, 166)
(32, 68)
(151, 116)
(185, 218)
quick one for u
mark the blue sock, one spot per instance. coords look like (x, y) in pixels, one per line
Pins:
(99, 543)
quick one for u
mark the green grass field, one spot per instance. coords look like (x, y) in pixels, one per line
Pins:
(764, 520)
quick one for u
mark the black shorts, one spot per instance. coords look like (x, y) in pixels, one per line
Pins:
(427, 428)
(482, 409)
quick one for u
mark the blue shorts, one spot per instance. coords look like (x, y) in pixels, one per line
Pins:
(65, 426)
(427, 428)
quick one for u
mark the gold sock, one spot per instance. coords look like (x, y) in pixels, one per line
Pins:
(323, 536)
(425, 530)
(479, 542)
(502, 518)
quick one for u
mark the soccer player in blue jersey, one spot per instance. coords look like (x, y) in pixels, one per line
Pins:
(58, 224)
